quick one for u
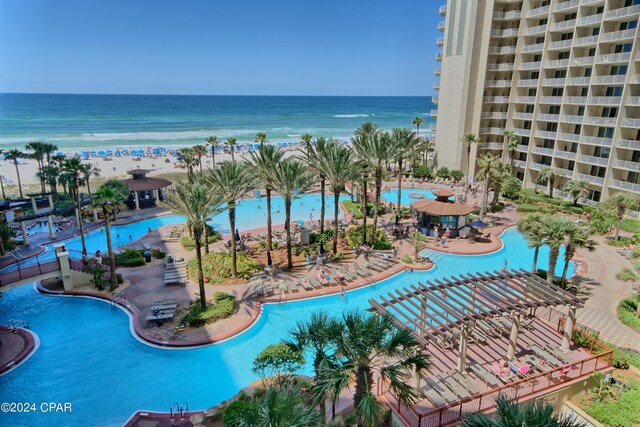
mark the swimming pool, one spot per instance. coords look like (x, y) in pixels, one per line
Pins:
(391, 196)
(89, 358)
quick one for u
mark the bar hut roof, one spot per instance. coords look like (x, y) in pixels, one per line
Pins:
(140, 181)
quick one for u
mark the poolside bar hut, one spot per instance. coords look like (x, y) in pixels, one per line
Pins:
(441, 212)
(144, 191)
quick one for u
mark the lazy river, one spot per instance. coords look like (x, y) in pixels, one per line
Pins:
(89, 358)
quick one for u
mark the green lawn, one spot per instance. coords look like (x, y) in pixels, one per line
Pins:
(631, 225)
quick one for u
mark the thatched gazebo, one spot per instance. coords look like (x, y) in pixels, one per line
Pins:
(144, 191)
(441, 212)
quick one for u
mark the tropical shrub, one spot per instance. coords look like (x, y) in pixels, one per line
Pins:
(529, 208)
(456, 175)
(511, 187)
(496, 207)
(321, 237)
(189, 244)
(620, 360)
(158, 253)
(354, 237)
(224, 306)
(423, 172)
(97, 271)
(627, 311)
(130, 257)
(236, 410)
(217, 265)
(405, 213)
(621, 409)
(443, 172)
(601, 220)
(407, 259)
(277, 362)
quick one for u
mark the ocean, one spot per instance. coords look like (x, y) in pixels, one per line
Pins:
(79, 122)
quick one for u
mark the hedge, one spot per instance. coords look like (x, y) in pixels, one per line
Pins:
(130, 257)
(217, 265)
(224, 306)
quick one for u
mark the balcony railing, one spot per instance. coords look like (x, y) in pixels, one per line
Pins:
(507, 32)
(566, 5)
(522, 148)
(436, 86)
(549, 117)
(590, 178)
(572, 137)
(528, 82)
(537, 29)
(437, 72)
(613, 58)
(623, 12)
(631, 123)
(502, 50)
(538, 11)
(604, 100)
(522, 132)
(542, 150)
(572, 119)
(602, 121)
(538, 166)
(551, 99)
(592, 160)
(554, 82)
(578, 81)
(440, 41)
(561, 44)
(533, 47)
(629, 143)
(435, 100)
(496, 99)
(512, 14)
(526, 99)
(585, 41)
(625, 164)
(588, 20)
(499, 115)
(633, 100)
(507, 66)
(585, 60)
(520, 164)
(441, 25)
(623, 185)
(439, 56)
(569, 155)
(523, 116)
(564, 24)
(492, 130)
(534, 65)
(491, 145)
(596, 140)
(498, 83)
(442, 10)
(434, 113)
(575, 99)
(607, 80)
(558, 63)
(546, 134)
(618, 35)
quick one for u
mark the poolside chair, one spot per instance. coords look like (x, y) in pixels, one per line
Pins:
(441, 390)
(556, 352)
(291, 287)
(315, 283)
(322, 279)
(488, 328)
(500, 374)
(453, 385)
(268, 288)
(482, 373)
(433, 396)
(305, 284)
(467, 382)
(550, 358)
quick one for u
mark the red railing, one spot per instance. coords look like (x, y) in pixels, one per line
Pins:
(28, 270)
(524, 387)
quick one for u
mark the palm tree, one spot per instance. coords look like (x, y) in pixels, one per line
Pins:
(619, 203)
(578, 237)
(375, 150)
(75, 168)
(508, 134)
(2, 157)
(306, 139)
(231, 181)
(469, 138)
(337, 165)
(276, 407)
(14, 155)
(403, 140)
(367, 129)
(501, 171)
(555, 231)
(577, 188)
(230, 143)
(313, 155)
(290, 178)
(198, 152)
(532, 228)
(512, 413)
(196, 202)
(366, 347)
(512, 147)
(90, 171)
(417, 121)
(550, 174)
(487, 165)
(107, 199)
(119, 187)
(213, 142)
(39, 152)
(631, 275)
(264, 160)
(187, 156)
(261, 138)
(50, 175)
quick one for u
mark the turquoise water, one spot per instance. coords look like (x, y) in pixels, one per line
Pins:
(79, 122)
(89, 358)
(391, 196)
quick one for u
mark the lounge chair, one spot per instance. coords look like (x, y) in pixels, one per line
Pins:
(488, 328)
(441, 390)
(305, 284)
(556, 352)
(268, 288)
(550, 358)
(500, 374)
(467, 382)
(485, 375)
(315, 283)
(433, 396)
(291, 286)
(322, 279)
(453, 385)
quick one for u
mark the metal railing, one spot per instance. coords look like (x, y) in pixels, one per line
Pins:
(27, 269)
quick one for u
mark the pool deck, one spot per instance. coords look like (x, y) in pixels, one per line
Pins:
(17, 346)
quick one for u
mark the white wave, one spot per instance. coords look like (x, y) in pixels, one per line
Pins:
(349, 116)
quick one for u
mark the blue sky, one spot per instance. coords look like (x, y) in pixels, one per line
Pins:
(236, 47)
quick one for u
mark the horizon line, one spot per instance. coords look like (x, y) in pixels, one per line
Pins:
(190, 94)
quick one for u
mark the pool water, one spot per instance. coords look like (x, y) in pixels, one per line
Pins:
(89, 358)
(391, 196)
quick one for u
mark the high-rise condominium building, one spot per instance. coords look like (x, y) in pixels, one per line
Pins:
(563, 75)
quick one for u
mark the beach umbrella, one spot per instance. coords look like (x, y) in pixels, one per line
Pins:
(156, 150)
(321, 247)
(479, 224)
(269, 260)
(101, 153)
(237, 235)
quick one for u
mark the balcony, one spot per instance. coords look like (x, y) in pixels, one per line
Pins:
(542, 150)
(629, 143)
(522, 148)
(507, 66)
(633, 100)
(593, 160)
(585, 41)
(551, 99)
(528, 82)
(596, 140)
(513, 14)
(589, 20)
(592, 2)
(436, 86)
(566, 5)
(497, 83)
(625, 164)
(437, 72)
(504, 50)
(613, 58)
(624, 185)
(616, 36)
(523, 116)
(546, 134)
(440, 41)
(590, 178)
(519, 164)
(538, 166)
(602, 121)
(571, 137)
(554, 82)
(508, 32)
(522, 132)
(568, 155)
(526, 99)
(562, 44)
(434, 113)
(631, 123)
(549, 117)
(435, 100)
(604, 100)
(439, 56)
(607, 80)
(491, 145)
(533, 47)
(443, 10)
(492, 130)
(441, 25)
(580, 100)
(623, 12)
(498, 115)
(535, 65)
(558, 63)
(563, 25)
(585, 60)
(578, 81)
(496, 99)
(572, 119)
(538, 11)
(537, 30)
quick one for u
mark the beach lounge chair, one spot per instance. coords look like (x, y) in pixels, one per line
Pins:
(550, 358)
(556, 352)
(467, 382)
(361, 271)
(322, 279)
(291, 286)
(348, 276)
(433, 396)
(374, 267)
(501, 374)
(257, 290)
(453, 385)
(441, 389)
(315, 283)
(478, 336)
(268, 288)
(305, 284)
(164, 307)
(482, 373)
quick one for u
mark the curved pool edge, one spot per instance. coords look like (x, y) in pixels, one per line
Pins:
(501, 231)
(32, 344)
(138, 333)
